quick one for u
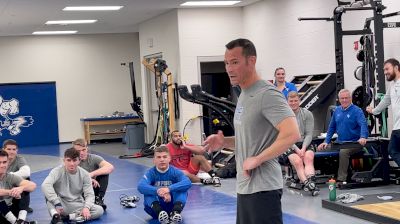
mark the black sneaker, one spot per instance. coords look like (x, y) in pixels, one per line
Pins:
(100, 201)
(175, 217)
(207, 181)
(29, 210)
(56, 219)
(309, 185)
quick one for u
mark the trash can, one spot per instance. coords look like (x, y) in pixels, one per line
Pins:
(135, 136)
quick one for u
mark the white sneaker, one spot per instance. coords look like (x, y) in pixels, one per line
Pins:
(163, 217)
(176, 218)
(216, 181)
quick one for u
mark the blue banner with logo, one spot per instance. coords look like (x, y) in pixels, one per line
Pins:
(28, 113)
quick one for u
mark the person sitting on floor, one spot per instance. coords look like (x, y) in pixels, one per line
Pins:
(99, 170)
(69, 193)
(190, 159)
(18, 166)
(303, 158)
(165, 188)
(12, 187)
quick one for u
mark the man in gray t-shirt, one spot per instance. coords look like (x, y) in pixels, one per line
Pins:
(12, 186)
(69, 193)
(98, 168)
(265, 127)
(18, 166)
(300, 155)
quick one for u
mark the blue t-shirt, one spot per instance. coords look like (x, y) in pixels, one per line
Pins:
(289, 87)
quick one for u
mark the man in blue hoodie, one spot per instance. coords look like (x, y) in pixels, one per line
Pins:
(349, 122)
(164, 188)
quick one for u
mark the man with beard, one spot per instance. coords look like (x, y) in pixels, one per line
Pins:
(190, 159)
(392, 97)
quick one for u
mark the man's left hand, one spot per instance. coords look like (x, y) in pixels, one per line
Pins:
(85, 213)
(95, 183)
(162, 191)
(16, 192)
(249, 164)
(362, 141)
(167, 197)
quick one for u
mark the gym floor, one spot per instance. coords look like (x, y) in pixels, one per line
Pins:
(206, 204)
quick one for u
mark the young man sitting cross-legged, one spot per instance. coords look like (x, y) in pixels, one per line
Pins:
(99, 170)
(165, 188)
(190, 159)
(69, 193)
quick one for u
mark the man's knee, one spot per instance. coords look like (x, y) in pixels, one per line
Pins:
(295, 160)
(309, 157)
(96, 211)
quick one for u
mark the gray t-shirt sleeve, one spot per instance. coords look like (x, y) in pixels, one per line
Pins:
(308, 128)
(21, 162)
(274, 107)
(96, 159)
(87, 189)
(15, 180)
(48, 186)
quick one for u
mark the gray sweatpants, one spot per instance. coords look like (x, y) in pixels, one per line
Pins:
(76, 207)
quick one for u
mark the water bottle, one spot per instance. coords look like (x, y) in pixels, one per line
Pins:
(332, 190)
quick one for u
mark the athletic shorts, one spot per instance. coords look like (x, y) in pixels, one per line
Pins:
(192, 168)
(260, 208)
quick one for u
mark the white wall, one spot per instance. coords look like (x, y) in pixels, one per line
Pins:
(202, 32)
(307, 47)
(163, 31)
(86, 68)
(282, 41)
(182, 36)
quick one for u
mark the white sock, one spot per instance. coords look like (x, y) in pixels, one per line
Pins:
(10, 217)
(22, 215)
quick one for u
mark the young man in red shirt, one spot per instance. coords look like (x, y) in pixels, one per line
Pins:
(190, 159)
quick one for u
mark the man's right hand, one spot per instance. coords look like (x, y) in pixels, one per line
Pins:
(60, 210)
(322, 146)
(214, 142)
(369, 109)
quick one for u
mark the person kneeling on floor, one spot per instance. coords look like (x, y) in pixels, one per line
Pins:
(11, 188)
(69, 193)
(165, 188)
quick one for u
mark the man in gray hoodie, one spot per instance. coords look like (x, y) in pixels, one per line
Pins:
(69, 193)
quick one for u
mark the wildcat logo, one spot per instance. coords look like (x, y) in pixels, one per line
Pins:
(13, 124)
(313, 100)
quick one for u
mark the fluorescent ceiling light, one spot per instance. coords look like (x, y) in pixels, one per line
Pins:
(54, 32)
(91, 8)
(66, 22)
(209, 3)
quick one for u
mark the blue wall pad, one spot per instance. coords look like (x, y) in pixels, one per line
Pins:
(28, 113)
